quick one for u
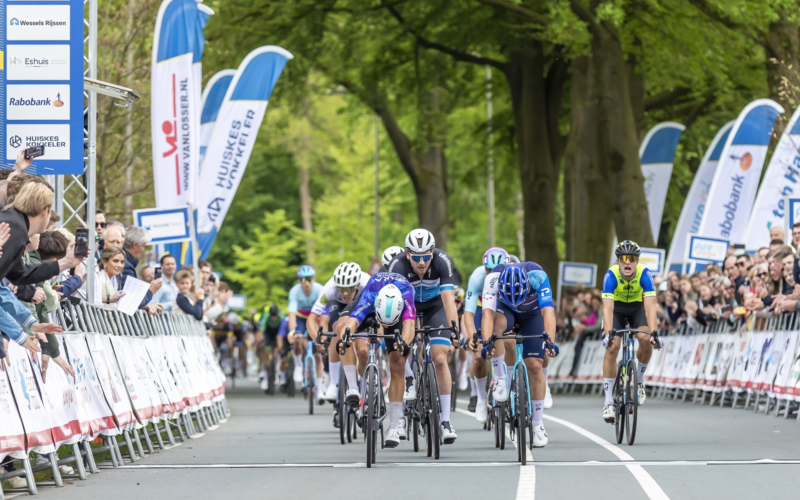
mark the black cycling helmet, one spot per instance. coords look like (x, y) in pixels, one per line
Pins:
(273, 310)
(627, 247)
(513, 259)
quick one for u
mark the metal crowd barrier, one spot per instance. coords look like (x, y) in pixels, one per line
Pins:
(751, 364)
(86, 318)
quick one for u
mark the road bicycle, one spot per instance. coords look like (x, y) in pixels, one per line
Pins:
(425, 412)
(373, 408)
(271, 369)
(310, 367)
(626, 385)
(348, 430)
(518, 407)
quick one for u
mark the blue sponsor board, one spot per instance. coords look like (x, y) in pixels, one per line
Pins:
(41, 83)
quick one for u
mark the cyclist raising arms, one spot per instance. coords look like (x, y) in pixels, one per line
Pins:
(472, 322)
(629, 296)
(337, 294)
(520, 294)
(430, 271)
(388, 298)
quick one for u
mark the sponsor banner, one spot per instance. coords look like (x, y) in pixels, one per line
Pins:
(54, 138)
(694, 205)
(165, 225)
(213, 94)
(780, 384)
(723, 362)
(29, 402)
(653, 259)
(733, 189)
(135, 379)
(110, 379)
(155, 349)
(36, 22)
(174, 113)
(760, 343)
(38, 102)
(235, 132)
(92, 406)
(741, 355)
(657, 155)
(12, 435)
(203, 13)
(60, 400)
(37, 62)
(706, 249)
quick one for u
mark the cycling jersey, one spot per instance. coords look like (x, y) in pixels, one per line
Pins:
(620, 290)
(438, 277)
(330, 293)
(541, 296)
(366, 303)
(271, 328)
(474, 289)
(300, 303)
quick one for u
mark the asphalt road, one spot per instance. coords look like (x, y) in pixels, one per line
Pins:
(271, 448)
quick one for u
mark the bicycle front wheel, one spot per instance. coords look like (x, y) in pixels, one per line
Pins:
(344, 411)
(619, 403)
(290, 387)
(434, 408)
(310, 375)
(271, 374)
(371, 414)
(631, 409)
(523, 412)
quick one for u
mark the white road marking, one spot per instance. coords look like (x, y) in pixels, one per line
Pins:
(526, 487)
(646, 481)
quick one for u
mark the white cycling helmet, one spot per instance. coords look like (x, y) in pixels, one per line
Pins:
(389, 305)
(389, 254)
(347, 274)
(420, 241)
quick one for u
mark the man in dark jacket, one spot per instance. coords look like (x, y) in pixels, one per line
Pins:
(136, 240)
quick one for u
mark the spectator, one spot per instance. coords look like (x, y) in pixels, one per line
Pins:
(205, 270)
(733, 273)
(712, 271)
(796, 234)
(761, 256)
(219, 303)
(148, 274)
(73, 281)
(112, 263)
(588, 326)
(169, 290)
(775, 244)
(136, 240)
(188, 301)
(100, 227)
(114, 236)
(777, 233)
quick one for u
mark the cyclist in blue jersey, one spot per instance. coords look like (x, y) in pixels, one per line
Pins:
(520, 294)
(301, 300)
(472, 322)
(430, 272)
(388, 298)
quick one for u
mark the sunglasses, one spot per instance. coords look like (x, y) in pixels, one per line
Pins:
(630, 259)
(761, 275)
(346, 289)
(306, 280)
(424, 258)
(100, 225)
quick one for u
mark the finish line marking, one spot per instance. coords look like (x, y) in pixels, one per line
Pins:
(360, 465)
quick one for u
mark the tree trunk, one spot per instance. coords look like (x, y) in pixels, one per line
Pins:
(587, 188)
(538, 171)
(619, 138)
(305, 190)
(783, 66)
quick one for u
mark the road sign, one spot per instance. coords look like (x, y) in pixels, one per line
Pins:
(169, 225)
(701, 249)
(653, 259)
(41, 80)
(238, 302)
(575, 273)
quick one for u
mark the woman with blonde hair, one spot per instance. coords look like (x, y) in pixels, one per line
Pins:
(112, 262)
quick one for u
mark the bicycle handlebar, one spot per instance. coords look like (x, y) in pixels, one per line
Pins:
(453, 328)
(513, 335)
(623, 331)
(345, 343)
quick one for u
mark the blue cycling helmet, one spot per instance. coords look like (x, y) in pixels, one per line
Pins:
(494, 257)
(306, 272)
(514, 285)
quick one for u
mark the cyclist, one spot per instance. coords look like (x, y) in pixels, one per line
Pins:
(269, 344)
(387, 257)
(336, 295)
(387, 298)
(472, 322)
(430, 271)
(463, 353)
(520, 294)
(629, 297)
(301, 299)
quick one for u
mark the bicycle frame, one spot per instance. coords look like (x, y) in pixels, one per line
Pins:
(517, 361)
(312, 372)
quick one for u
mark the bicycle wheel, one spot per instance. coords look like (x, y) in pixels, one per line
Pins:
(619, 420)
(371, 410)
(425, 412)
(631, 402)
(415, 430)
(310, 373)
(500, 425)
(290, 388)
(523, 412)
(454, 381)
(271, 375)
(434, 408)
(344, 411)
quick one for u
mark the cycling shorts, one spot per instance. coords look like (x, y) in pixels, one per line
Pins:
(300, 325)
(531, 326)
(219, 339)
(629, 313)
(431, 313)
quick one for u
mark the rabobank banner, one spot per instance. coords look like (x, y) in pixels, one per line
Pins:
(234, 135)
(733, 189)
(694, 206)
(657, 155)
(213, 94)
(174, 110)
(781, 179)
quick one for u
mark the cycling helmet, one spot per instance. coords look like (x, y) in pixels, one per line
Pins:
(458, 292)
(306, 272)
(627, 247)
(513, 285)
(494, 257)
(347, 274)
(234, 319)
(389, 305)
(420, 241)
(513, 259)
(273, 310)
(389, 254)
